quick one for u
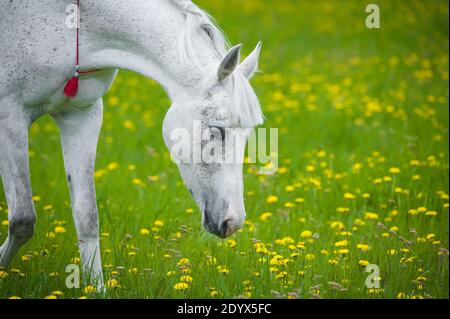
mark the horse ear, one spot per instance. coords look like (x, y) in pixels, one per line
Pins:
(249, 66)
(229, 62)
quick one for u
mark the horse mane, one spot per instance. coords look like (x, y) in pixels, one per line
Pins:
(245, 107)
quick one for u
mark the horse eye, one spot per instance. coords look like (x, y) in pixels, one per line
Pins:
(221, 129)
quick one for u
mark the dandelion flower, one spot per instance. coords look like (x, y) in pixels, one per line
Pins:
(333, 261)
(186, 278)
(306, 234)
(349, 196)
(401, 295)
(272, 199)
(394, 170)
(265, 216)
(341, 243)
(183, 262)
(369, 215)
(222, 269)
(363, 263)
(112, 166)
(112, 283)
(60, 230)
(363, 247)
(158, 223)
(181, 286)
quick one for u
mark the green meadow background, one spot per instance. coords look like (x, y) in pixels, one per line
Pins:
(362, 179)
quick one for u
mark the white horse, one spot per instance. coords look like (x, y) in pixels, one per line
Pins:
(171, 41)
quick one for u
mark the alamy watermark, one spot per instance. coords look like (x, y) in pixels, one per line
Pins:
(373, 19)
(73, 16)
(73, 277)
(373, 279)
(225, 145)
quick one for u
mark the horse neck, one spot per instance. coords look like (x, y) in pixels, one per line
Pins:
(142, 36)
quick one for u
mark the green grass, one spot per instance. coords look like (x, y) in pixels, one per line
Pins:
(350, 104)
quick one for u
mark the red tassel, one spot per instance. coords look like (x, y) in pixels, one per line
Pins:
(71, 88)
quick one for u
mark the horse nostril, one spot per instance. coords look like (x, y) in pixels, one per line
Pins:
(225, 228)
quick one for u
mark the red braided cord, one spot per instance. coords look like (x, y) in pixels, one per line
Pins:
(78, 29)
(71, 87)
(78, 42)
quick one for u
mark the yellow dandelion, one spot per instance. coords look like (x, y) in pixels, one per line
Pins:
(138, 182)
(289, 204)
(342, 209)
(210, 260)
(89, 289)
(349, 196)
(183, 262)
(363, 263)
(370, 215)
(333, 261)
(289, 188)
(310, 257)
(158, 223)
(341, 243)
(112, 166)
(181, 286)
(281, 274)
(363, 247)
(394, 170)
(306, 234)
(401, 295)
(260, 248)
(129, 125)
(231, 243)
(59, 230)
(186, 278)
(265, 216)
(185, 270)
(112, 283)
(223, 270)
(272, 199)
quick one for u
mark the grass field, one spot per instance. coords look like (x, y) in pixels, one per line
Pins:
(363, 169)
